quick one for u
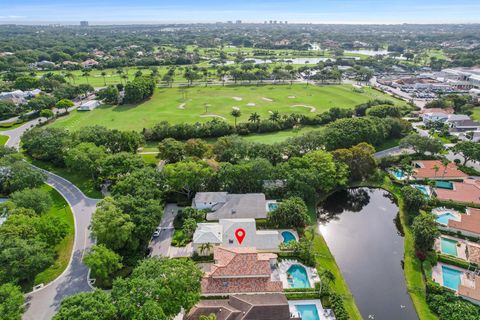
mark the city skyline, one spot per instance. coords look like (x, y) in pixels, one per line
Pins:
(188, 11)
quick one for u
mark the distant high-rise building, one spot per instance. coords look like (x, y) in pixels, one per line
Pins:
(83, 23)
(271, 21)
(265, 22)
(286, 22)
(229, 22)
(238, 22)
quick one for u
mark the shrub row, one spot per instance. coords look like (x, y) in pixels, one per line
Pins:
(217, 128)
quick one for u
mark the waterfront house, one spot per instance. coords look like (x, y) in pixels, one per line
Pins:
(240, 270)
(435, 170)
(273, 306)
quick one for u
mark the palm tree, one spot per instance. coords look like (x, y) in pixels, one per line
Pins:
(236, 113)
(205, 248)
(104, 74)
(70, 76)
(275, 116)
(138, 74)
(254, 117)
(327, 276)
(445, 163)
(436, 168)
(86, 74)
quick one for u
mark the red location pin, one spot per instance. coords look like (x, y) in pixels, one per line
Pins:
(240, 235)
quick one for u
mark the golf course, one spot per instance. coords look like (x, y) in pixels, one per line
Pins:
(200, 104)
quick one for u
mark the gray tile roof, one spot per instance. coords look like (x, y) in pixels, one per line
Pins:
(240, 206)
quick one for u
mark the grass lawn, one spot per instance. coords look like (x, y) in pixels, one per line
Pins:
(3, 140)
(325, 260)
(86, 184)
(62, 210)
(388, 144)
(412, 265)
(280, 136)
(200, 104)
(476, 113)
(150, 158)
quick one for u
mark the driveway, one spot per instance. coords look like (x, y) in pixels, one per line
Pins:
(162, 245)
(44, 302)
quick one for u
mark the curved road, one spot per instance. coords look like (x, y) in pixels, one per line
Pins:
(45, 301)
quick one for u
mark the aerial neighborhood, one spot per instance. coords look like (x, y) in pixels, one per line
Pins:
(235, 169)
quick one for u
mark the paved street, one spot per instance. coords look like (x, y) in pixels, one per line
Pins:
(42, 304)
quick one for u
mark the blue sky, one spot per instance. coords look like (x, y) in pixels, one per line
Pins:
(315, 11)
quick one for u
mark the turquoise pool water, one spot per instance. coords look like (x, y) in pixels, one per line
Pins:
(308, 311)
(398, 174)
(448, 246)
(272, 206)
(288, 236)
(444, 217)
(297, 277)
(451, 277)
(423, 189)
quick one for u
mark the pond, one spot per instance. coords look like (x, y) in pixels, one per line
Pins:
(359, 226)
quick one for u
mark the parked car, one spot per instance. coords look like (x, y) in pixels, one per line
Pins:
(157, 232)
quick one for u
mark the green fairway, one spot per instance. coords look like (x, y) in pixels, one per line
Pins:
(200, 104)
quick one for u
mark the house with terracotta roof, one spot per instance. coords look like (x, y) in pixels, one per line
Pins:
(240, 270)
(469, 287)
(467, 192)
(273, 306)
(435, 170)
(468, 225)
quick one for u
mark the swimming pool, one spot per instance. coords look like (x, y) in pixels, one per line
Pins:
(297, 277)
(451, 277)
(288, 236)
(308, 311)
(448, 246)
(272, 206)
(397, 173)
(425, 190)
(444, 217)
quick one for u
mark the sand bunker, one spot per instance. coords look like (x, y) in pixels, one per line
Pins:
(181, 106)
(312, 109)
(267, 99)
(237, 98)
(292, 97)
(251, 104)
(235, 108)
(213, 116)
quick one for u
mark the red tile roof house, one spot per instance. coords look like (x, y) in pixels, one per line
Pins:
(240, 270)
(426, 169)
(467, 192)
(469, 224)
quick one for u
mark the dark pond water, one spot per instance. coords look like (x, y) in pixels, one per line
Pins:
(360, 228)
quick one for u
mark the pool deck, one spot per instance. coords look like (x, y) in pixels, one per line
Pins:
(461, 246)
(442, 210)
(437, 273)
(325, 314)
(283, 266)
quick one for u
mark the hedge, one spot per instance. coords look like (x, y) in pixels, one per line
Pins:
(454, 261)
